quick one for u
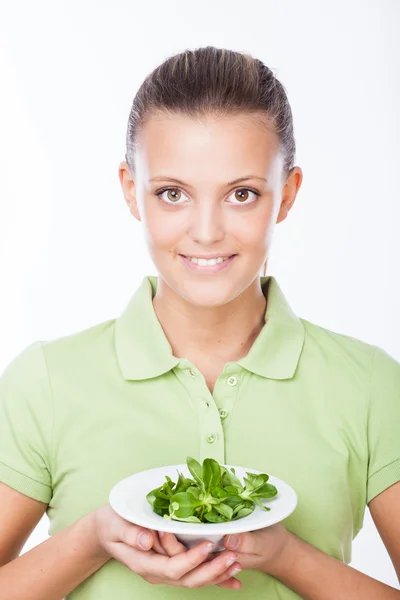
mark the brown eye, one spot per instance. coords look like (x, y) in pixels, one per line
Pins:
(244, 194)
(175, 194)
(172, 194)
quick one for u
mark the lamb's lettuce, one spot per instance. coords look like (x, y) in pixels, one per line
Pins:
(214, 495)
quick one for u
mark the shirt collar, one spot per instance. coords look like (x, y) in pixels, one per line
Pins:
(143, 350)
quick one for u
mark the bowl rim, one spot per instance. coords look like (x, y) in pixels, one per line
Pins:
(149, 519)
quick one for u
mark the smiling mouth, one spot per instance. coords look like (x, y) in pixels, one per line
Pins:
(224, 257)
(208, 262)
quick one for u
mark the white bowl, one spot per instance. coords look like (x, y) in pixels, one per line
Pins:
(128, 499)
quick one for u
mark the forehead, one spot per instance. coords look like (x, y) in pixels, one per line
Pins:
(229, 142)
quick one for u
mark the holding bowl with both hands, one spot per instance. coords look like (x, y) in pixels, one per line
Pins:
(179, 528)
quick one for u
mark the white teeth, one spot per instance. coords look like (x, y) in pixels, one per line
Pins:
(203, 262)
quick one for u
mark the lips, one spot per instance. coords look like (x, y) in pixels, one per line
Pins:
(207, 269)
(225, 257)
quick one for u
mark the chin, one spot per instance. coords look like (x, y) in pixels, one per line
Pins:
(214, 297)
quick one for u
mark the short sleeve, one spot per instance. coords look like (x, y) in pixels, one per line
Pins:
(26, 420)
(383, 424)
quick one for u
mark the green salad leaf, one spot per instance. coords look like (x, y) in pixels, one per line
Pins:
(214, 495)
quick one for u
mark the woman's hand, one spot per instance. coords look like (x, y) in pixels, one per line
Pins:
(169, 562)
(263, 550)
(166, 543)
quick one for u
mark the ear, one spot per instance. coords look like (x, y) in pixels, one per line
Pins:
(289, 192)
(128, 189)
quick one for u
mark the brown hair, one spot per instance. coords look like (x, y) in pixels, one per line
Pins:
(215, 81)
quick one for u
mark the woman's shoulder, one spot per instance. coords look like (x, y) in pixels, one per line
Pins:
(349, 350)
(75, 348)
(79, 342)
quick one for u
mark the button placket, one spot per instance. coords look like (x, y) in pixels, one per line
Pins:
(212, 439)
(210, 427)
(213, 408)
(228, 396)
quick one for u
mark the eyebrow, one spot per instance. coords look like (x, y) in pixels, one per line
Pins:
(167, 178)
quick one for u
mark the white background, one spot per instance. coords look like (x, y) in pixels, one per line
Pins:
(71, 255)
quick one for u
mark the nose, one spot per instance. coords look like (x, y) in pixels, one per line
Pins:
(207, 224)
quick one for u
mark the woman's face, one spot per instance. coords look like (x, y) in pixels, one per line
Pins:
(207, 213)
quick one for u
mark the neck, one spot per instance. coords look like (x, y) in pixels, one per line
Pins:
(225, 332)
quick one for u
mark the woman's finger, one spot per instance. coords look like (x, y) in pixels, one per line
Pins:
(208, 572)
(157, 545)
(168, 569)
(227, 578)
(232, 583)
(171, 544)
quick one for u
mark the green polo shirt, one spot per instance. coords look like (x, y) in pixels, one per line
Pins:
(318, 409)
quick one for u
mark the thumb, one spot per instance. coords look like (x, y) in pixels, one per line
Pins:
(242, 542)
(138, 537)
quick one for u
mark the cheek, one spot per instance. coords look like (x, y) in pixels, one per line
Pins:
(265, 226)
(158, 238)
(162, 234)
(158, 229)
(255, 232)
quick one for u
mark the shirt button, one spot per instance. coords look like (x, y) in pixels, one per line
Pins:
(191, 373)
(211, 438)
(223, 413)
(232, 380)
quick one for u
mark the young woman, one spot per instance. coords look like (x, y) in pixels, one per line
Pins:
(207, 360)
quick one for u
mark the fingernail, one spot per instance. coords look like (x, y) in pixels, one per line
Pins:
(161, 533)
(144, 540)
(235, 571)
(232, 542)
(208, 548)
